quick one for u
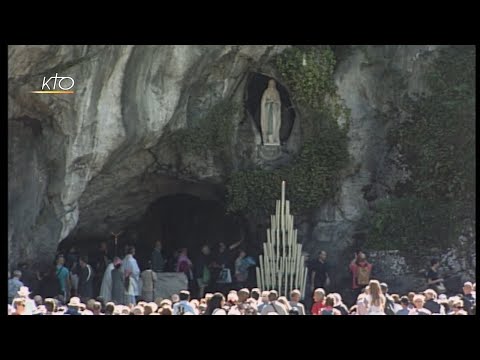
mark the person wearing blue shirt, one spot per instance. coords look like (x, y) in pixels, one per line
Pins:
(405, 310)
(63, 276)
(183, 306)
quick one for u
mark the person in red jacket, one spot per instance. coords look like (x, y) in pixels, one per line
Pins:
(361, 270)
(319, 301)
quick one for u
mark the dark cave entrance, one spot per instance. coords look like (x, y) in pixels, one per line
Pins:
(179, 220)
(257, 83)
(183, 220)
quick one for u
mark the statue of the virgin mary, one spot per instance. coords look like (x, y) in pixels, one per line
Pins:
(270, 115)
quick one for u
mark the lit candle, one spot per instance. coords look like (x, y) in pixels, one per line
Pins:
(272, 271)
(304, 284)
(272, 277)
(287, 241)
(282, 209)
(292, 267)
(259, 279)
(278, 239)
(262, 274)
(267, 272)
(290, 223)
(278, 211)
(298, 270)
(280, 283)
(290, 238)
(294, 248)
(301, 276)
(260, 260)
(293, 242)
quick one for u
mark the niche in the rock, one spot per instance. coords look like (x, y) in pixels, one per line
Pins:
(257, 83)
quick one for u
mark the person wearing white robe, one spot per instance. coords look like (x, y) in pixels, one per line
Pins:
(106, 288)
(131, 270)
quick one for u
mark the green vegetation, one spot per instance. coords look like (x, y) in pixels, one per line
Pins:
(438, 144)
(212, 134)
(313, 175)
(309, 74)
(409, 224)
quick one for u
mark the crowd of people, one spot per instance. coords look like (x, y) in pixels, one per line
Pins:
(74, 287)
(373, 300)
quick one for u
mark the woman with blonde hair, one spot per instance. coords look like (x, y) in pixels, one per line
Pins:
(457, 308)
(283, 300)
(361, 305)
(418, 302)
(375, 300)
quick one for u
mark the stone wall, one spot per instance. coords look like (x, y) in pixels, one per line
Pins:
(170, 283)
(95, 161)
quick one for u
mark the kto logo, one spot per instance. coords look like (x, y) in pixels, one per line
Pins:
(64, 83)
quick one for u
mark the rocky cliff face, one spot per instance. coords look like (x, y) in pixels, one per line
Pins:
(367, 81)
(95, 160)
(87, 160)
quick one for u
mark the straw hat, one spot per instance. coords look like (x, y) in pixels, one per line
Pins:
(74, 301)
(24, 291)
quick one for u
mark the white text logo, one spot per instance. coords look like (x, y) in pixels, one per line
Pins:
(56, 85)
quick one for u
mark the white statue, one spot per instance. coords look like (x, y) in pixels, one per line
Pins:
(270, 115)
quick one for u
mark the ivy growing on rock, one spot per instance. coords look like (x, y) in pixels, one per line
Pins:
(409, 224)
(312, 176)
(211, 135)
(309, 74)
(438, 143)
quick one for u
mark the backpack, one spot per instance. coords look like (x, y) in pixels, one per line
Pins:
(294, 311)
(363, 275)
(225, 276)
(389, 307)
(327, 312)
(343, 310)
(440, 288)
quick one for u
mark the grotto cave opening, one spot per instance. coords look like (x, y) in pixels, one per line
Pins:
(178, 220)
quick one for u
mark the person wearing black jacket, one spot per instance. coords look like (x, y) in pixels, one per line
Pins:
(85, 281)
(431, 302)
(158, 260)
(223, 259)
(201, 270)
